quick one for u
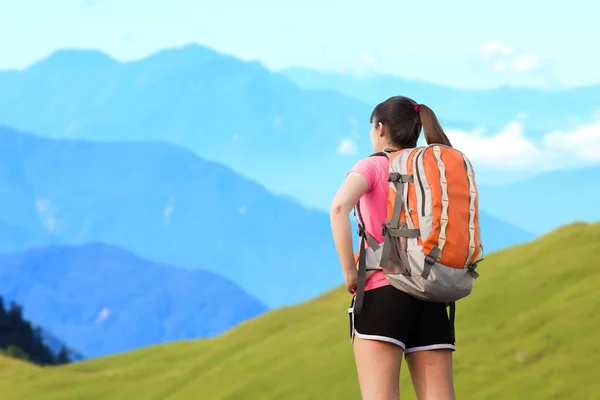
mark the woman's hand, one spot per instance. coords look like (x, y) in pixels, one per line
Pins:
(351, 279)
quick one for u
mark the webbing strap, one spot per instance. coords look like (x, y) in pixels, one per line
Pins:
(362, 232)
(444, 192)
(398, 206)
(407, 233)
(369, 238)
(472, 197)
(361, 281)
(398, 177)
(452, 317)
(394, 223)
(430, 259)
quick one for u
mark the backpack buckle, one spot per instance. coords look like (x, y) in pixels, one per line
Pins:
(430, 260)
(384, 230)
(361, 231)
(394, 177)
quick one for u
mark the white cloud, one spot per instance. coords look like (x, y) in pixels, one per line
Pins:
(511, 150)
(492, 48)
(584, 142)
(525, 63)
(347, 146)
(369, 60)
(501, 58)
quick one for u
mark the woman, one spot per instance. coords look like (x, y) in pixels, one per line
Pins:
(391, 323)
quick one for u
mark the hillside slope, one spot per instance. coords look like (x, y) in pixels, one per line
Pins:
(527, 332)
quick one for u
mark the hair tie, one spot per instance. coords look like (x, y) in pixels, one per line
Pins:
(417, 108)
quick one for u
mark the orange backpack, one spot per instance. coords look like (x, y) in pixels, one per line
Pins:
(432, 236)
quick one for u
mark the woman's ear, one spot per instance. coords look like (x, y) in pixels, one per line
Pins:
(380, 130)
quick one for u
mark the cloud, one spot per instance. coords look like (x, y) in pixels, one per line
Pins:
(491, 48)
(501, 58)
(347, 147)
(525, 63)
(511, 150)
(369, 60)
(584, 142)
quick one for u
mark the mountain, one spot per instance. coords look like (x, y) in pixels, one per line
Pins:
(308, 349)
(546, 110)
(547, 201)
(237, 113)
(102, 299)
(166, 204)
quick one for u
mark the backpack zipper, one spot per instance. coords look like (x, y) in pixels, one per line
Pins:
(420, 182)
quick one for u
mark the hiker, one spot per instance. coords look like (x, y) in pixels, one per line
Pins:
(418, 224)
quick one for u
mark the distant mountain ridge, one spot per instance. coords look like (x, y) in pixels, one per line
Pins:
(102, 300)
(166, 204)
(547, 201)
(545, 110)
(260, 123)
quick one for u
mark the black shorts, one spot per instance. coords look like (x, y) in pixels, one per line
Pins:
(393, 316)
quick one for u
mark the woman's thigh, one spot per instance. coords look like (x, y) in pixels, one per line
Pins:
(378, 366)
(431, 374)
(379, 335)
(429, 349)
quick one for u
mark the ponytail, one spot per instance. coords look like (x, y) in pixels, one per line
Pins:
(431, 126)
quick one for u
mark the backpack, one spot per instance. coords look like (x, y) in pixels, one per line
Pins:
(432, 236)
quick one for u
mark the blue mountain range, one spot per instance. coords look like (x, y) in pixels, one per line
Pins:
(240, 114)
(102, 299)
(546, 110)
(547, 201)
(282, 130)
(166, 204)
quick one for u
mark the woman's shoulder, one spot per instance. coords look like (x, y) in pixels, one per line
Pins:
(373, 161)
(371, 168)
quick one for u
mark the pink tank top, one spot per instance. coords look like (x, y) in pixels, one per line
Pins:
(373, 205)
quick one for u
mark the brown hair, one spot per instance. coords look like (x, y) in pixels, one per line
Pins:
(404, 118)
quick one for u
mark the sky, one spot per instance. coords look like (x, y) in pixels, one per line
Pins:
(461, 43)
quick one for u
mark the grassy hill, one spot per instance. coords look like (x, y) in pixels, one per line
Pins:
(529, 331)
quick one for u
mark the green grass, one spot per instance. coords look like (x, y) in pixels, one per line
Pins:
(530, 330)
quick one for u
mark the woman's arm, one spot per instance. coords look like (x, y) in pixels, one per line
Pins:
(347, 196)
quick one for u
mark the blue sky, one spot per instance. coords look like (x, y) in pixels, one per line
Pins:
(463, 43)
